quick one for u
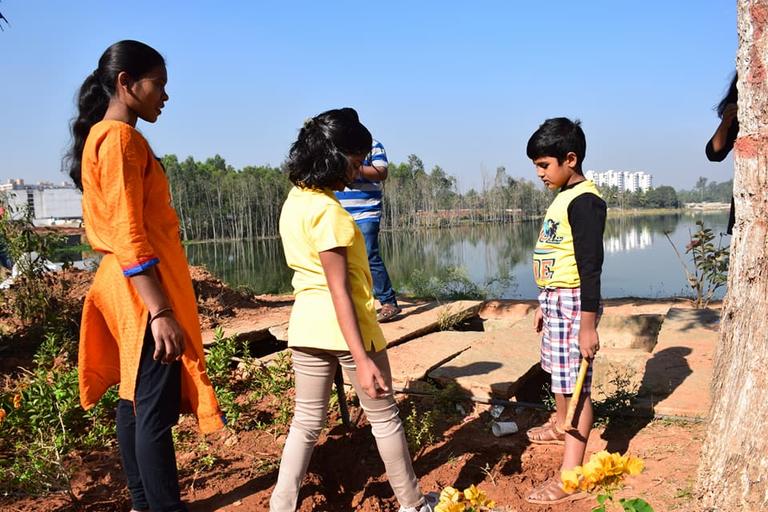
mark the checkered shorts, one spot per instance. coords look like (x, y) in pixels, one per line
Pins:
(560, 354)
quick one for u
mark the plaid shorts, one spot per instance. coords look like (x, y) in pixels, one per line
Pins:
(560, 354)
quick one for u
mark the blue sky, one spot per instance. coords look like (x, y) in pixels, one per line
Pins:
(461, 84)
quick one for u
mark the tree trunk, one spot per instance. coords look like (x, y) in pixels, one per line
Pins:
(733, 473)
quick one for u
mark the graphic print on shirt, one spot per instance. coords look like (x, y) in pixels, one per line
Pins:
(549, 232)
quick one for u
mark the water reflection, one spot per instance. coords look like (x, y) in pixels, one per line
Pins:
(630, 234)
(638, 258)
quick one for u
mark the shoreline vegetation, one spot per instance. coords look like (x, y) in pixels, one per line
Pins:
(216, 202)
(704, 208)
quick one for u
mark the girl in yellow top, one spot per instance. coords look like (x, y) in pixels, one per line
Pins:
(333, 320)
(139, 326)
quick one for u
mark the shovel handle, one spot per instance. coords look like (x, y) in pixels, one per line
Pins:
(576, 394)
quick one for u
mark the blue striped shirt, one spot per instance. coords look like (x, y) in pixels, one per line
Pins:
(362, 198)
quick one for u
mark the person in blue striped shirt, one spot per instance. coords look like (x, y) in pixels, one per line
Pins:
(362, 199)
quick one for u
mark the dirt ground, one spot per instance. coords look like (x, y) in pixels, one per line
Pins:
(237, 471)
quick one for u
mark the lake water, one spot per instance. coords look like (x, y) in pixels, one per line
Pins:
(639, 260)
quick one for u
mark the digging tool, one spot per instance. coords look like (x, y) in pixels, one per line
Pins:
(576, 395)
(338, 380)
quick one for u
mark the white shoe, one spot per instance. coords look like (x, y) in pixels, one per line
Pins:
(430, 501)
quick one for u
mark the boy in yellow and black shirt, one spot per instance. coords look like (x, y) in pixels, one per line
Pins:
(567, 263)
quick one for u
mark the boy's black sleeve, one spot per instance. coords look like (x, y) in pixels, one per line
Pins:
(586, 214)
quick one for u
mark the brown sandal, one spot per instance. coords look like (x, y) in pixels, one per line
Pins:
(552, 493)
(546, 434)
(388, 312)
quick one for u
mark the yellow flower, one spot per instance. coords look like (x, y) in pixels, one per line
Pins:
(471, 494)
(17, 401)
(449, 506)
(571, 479)
(2, 414)
(477, 497)
(613, 464)
(634, 465)
(450, 495)
(593, 474)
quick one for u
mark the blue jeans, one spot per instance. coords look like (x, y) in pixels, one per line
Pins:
(382, 286)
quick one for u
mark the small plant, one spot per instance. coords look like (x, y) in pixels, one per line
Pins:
(603, 475)
(448, 320)
(550, 404)
(218, 366)
(419, 429)
(447, 397)
(710, 264)
(274, 380)
(449, 283)
(31, 250)
(472, 499)
(42, 421)
(618, 402)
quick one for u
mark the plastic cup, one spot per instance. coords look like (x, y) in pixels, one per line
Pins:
(503, 428)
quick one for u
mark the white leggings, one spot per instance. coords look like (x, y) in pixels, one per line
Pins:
(315, 369)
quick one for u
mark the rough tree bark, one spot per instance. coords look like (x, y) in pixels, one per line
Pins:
(733, 473)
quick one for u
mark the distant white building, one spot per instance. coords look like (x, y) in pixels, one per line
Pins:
(625, 181)
(49, 203)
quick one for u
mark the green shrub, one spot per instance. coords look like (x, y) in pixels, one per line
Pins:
(43, 422)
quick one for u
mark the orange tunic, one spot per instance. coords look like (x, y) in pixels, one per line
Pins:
(129, 218)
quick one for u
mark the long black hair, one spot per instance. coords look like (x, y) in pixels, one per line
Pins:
(136, 59)
(731, 96)
(318, 158)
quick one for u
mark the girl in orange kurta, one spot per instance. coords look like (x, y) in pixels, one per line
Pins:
(140, 326)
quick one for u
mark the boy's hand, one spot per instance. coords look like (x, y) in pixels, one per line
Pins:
(538, 319)
(589, 342)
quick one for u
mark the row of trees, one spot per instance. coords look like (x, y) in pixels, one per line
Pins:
(216, 201)
(707, 191)
(659, 197)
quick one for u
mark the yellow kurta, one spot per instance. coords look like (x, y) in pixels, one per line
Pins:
(129, 218)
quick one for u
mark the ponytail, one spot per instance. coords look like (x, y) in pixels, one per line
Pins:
(92, 104)
(133, 57)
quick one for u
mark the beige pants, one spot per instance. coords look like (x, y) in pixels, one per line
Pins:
(314, 371)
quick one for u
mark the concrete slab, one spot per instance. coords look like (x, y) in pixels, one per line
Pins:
(497, 364)
(630, 331)
(413, 360)
(417, 319)
(679, 373)
(423, 318)
(508, 310)
(251, 328)
(615, 367)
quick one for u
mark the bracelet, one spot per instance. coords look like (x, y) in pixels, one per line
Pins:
(152, 317)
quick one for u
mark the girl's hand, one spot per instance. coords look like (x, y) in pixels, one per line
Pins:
(371, 379)
(169, 338)
(589, 342)
(538, 320)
